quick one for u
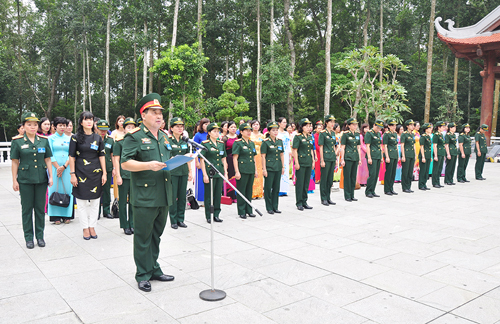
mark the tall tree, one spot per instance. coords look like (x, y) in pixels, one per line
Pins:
(258, 60)
(429, 63)
(289, 100)
(106, 93)
(328, 69)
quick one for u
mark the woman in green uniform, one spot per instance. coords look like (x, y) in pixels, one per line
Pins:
(439, 153)
(390, 140)
(244, 168)
(215, 154)
(31, 174)
(450, 144)
(103, 128)
(464, 144)
(481, 150)
(302, 151)
(349, 148)
(407, 156)
(180, 175)
(373, 157)
(425, 156)
(272, 167)
(123, 180)
(326, 143)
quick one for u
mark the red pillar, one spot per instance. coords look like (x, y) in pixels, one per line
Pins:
(488, 90)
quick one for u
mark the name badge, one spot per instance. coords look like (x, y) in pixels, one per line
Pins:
(169, 147)
(65, 143)
(303, 140)
(173, 145)
(221, 152)
(107, 145)
(254, 150)
(213, 149)
(94, 147)
(184, 146)
(280, 148)
(357, 137)
(311, 142)
(245, 147)
(25, 146)
(271, 146)
(41, 150)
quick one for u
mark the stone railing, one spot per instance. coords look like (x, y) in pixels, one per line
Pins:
(5, 153)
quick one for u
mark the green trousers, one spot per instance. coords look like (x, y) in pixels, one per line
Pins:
(33, 200)
(462, 166)
(272, 189)
(350, 173)
(126, 217)
(217, 190)
(325, 186)
(407, 173)
(106, 196)
(373, 171)
(423, 174)
(149, 225)
(449, 171)
(390, 175)
(244, 186)
(480, 165)
(436, 171)
(303, 177)
(178, 208)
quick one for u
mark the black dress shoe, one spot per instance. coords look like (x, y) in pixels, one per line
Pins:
(448, 184)
(243, 216)
(40, 242)
(388, 193)
(217, 220)
(461, 181)
(466, 180)
(174, 226)
(86, 238)
(411, 190)
(407, 191)
(270, 212)
(306, 206)
(144, 286)
(163, 277)
(276, 211)
(181, 224)
(394, 193)
(369, 196)
(30, 244)
(453, 183)
(93, 236)
(354, 199)
(132, 230)
(422, 189)
(127, 231)
(324, 202)
(375, 195)
(331, 202)
(349, 200)
(436, 186)
(209, 221)
(300, 208)
(251, 215)
(480, 178)
(441, 186)
(427, 188)
(109, 216)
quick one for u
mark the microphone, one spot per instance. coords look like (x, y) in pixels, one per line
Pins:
(194, 144)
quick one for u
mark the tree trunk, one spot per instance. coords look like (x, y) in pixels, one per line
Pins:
(469, 93)
(445, 63)
(20, 77)
(158, 81)
(365, 26)
(241, 61)
(289, 99)
(145, 61)
(76, 86)
(174, 30)
(316, 23)
(136, 88)
(271, 42)
(55, 80)
(381, 73)
(429, 63)
(88, 74)
(328, 70)
(84, 86)
(200, 36)
(258, 60)
(151, 62)
(106, 96)
(227, 65)
(455, 86)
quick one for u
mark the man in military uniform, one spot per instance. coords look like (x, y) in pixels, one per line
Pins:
(326, 142)
(390, 140)
(450, 144)
(245, 169)
(464, 144)
(425, 156)
(373, 157)
(481, 150)
(407, 156)
(272, 167)
(439, 154)
(144, 154)
(351, 160)
(30, 154)
(103, 128)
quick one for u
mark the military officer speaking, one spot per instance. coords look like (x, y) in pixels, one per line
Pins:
(103, 127)
(144, 154)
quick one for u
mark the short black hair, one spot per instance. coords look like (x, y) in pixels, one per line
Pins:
(60, 120)
(19, 126)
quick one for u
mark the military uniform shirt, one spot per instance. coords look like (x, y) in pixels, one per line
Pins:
(108, 149)
(439, 140)
(273, 151)
(408, 139)
(117, 151)
(327, 140)
(148, 188)
(304, 146)
(216, 152)
(451, 140)
(426, 143)
(351, 142)
(391, 140)
(178, 148)
(246, 153)
(31, 156)
(373, 138)
(465, 140)
(481, 139)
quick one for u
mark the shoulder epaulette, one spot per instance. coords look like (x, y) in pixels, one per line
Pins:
(17, 137)
(43, 136)
(239, 139)
(205, 141)
(220, 141)
(462, 133)
(119, 139)
(135, 130)
(324, 130)
(299, 133)
(170, 136)
(266, 139)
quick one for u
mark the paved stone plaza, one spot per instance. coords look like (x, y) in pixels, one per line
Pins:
(427, 257)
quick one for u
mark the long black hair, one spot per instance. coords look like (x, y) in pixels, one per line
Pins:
(42, 120)
(80, 133)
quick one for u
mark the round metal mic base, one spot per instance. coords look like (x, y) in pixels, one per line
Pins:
(212, 295)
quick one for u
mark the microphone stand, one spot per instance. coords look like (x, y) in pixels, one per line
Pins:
(216, 294)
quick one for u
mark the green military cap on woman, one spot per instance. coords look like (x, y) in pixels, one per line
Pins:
(379, 123)
(329, 117)
(103, 125)
(304, 121)
(484, 127)
(272, 125)
(242, 127)
(176, 121)
(409, 122)
(392, 121)
(129, 120)
(212, 126)
(351, 121)
(138, 121)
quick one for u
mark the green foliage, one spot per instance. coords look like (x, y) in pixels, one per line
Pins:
(450, 111)
(276, 79)
(230, 106)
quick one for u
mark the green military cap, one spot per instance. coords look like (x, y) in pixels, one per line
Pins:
(426, 125)
(304, 121)
(176, 121)
(379, 123)
(392, 121)
(103, 125)
(351, 121)
(329, 117)
(138, 121)
(242, 127)
(409, 122)
(29, 116)
(152, 100)
(484, 126)
(211, 126)
(465, 125)
(272, 125)
(450, 125)
(129, 120)
(440, 123)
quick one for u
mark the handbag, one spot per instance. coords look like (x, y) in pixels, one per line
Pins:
(191, 200)
(59, 199)
(115, 208)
